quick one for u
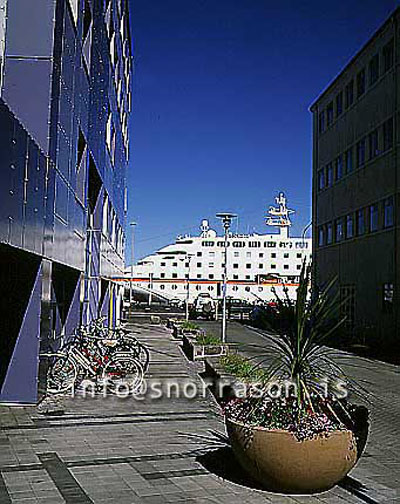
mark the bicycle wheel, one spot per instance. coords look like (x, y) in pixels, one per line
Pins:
(138, 351)
(62, 375)
(123, 373)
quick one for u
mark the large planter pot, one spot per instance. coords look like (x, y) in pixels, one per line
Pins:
(277, 460)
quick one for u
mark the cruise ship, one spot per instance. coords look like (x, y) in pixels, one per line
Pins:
(258, 265)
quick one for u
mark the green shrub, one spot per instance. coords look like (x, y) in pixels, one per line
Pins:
(207, 339)
(242, 368)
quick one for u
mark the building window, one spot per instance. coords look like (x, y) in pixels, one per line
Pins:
(388, 56)
(388, 213)
(211, 265)
(339, 230)
(361, 83)
(235, 265)
(321, 179)
(361, 152)
(199, 254)
(198, 275)
(162, 275)
(329, 174)
(260, 254)
(174, 287)
(174, 275)
(373, 218)
(321, 122)
(349, 160)
(388, 295)
(298, 255)
(329, 114)
(273, 255)
(248, 266)
(260, 266)
(248, 254)
(360, 222)
(329, 234)
(236, 254)
(286, 266)
(349, 93)
(198, 265)
(339, 167)
(236, 277)
(163, 264)
(388, 135)
(298, 266)
(273, 266)
(339, 103)
(349, 226)
(247, 277)
(286, 255)
(175, 264)
(373, 144)
(211, 276)
(373, 69)
(211, 254)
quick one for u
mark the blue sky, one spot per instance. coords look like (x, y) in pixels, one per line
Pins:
(221, 96)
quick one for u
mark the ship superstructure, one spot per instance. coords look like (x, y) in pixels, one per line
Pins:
(256, 263)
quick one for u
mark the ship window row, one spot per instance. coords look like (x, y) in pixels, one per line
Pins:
(363, 221)
(286, 255)
(379, 64)
(377, 142)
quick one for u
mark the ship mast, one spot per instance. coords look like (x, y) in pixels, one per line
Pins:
(279, 216)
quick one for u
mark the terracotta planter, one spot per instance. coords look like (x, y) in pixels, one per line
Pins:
(277, 460)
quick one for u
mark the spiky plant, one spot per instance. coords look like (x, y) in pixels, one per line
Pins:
(299, 330)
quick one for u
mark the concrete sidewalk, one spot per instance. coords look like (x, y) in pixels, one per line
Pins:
(113, 450)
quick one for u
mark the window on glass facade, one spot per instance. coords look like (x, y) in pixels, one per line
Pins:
(329, 174)
(388, 56)
(321, 122)
(349, 160)
(373, 69)
(349, 226)
(360, 222)
(388, 135)
(321, 179)
(339, 167)
(339, 230)
(373, 218)
(388, 212)
(349, 93)
(361, 152)
(361, 83)
(329, 233)
(373, 144)
(339, 103)
(329, 114)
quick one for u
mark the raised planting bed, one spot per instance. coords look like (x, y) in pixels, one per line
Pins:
(201, 345)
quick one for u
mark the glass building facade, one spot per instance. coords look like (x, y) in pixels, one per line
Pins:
(65, 102)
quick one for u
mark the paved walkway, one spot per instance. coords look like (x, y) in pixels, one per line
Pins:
(114, 450)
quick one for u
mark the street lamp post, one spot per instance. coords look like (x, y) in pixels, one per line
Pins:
(132, 225)
(226, 222)
(188, 258)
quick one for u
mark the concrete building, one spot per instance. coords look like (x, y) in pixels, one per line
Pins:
(65, 99)
(356, 189)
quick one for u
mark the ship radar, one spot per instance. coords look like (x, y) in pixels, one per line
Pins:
(279, 215)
